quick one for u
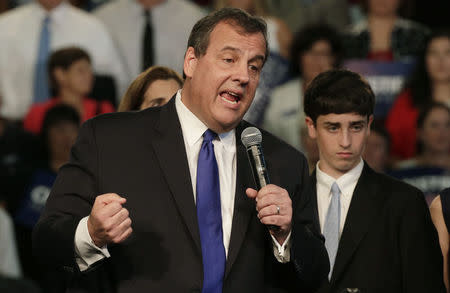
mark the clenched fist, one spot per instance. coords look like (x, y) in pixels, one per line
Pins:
(109, 221)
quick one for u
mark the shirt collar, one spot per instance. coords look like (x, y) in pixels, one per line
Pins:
(346, 182)
(193, 128)
(56, 14)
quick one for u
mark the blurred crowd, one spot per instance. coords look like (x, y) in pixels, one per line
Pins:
(64, 62)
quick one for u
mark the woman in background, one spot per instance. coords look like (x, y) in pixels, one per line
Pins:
(315, 49)
(430, 82)
(153, 87)
(384, 35)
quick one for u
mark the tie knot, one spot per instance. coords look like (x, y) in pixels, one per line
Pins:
(46, 20)
(209, 135)
(335, 189)
(147, 14)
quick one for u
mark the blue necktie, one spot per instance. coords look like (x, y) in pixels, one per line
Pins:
(209, 216)
(331, 227)
(41, 91)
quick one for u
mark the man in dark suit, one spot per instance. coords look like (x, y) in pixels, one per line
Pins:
(158, 200)
(378, 232)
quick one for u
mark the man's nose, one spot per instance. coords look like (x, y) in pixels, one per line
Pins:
(241, 73)
(345, 139)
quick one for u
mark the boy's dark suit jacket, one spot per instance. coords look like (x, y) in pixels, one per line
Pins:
(141, 156)
(389, 243)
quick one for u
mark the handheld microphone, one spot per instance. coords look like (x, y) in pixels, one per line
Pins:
(251, 138)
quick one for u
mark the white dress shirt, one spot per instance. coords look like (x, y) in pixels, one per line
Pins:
(9, 258)
(225, 152)
(172, 22)
(346, 183)
(20, 31)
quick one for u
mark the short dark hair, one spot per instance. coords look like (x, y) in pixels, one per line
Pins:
(307, 37)
(338, 91)
(64, 58)
(199, 37)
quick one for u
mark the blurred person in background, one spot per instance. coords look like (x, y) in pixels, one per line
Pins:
(29, 33)
(315, 49)
(430, 169)
(279, 34)
(59, 131)
(384, 35)
(153, 87)
(276, 67)
(440, 214)
(299, 14)
(150, 32)
(433, 138)
(18, 154)
(71, 78)
(429, 82)
(376, 152)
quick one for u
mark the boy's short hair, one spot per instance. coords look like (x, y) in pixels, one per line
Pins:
(338, 91)
(64, 58)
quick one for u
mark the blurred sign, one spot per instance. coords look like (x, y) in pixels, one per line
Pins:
(385, 78)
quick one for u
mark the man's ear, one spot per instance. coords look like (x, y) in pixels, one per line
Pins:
(369, 124)
(190, 62)
(311, 127)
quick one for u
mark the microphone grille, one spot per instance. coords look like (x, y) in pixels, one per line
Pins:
(251, 136)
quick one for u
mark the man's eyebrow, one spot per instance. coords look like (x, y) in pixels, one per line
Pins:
(335, 124)
(359, 122)
(233, 49)
(229, 48)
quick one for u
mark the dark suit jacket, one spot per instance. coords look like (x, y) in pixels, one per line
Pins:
(388, 243)
(141, 156)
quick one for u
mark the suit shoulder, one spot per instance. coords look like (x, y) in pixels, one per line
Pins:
(399, 189)
(275, 145)
(120, 120)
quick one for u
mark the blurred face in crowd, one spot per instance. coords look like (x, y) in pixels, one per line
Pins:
(221, 84)
(435, 132)
(376, 152)
(49, 4)
(438, 59)
(341, 139)
(77, 79)
(316, 60)
(159, 93)
(383, 7)
(61, 137)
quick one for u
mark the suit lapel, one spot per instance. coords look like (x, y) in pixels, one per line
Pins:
(363, 208)
(243, 206)
(171, 154)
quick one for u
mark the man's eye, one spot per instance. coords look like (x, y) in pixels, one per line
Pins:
(254, 68)
(228, 60)
(332, 128)
(357, 127)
